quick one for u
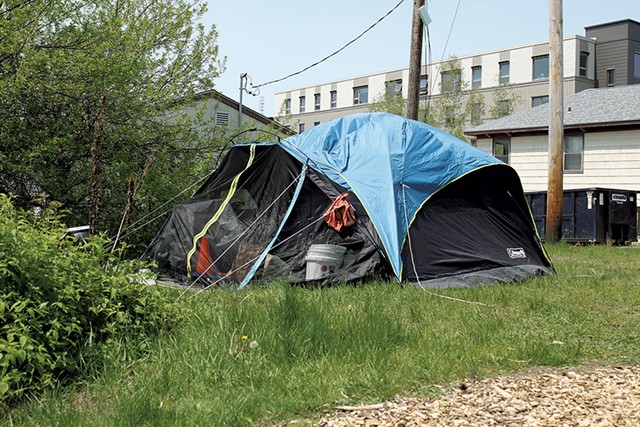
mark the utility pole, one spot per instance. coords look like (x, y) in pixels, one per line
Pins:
(556, 124)
(415, 63)
(243, 85)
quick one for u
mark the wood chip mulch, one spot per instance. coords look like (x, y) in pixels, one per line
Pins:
(597, 397)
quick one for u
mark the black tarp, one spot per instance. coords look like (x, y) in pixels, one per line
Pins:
(228, 247)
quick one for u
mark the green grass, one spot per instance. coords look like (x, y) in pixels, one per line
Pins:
(358, 344)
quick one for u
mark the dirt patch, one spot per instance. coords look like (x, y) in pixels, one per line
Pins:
(598, 397)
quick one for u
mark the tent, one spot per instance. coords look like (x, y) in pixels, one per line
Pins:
(361, 196)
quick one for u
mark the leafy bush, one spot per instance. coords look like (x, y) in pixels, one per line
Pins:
(63, 303)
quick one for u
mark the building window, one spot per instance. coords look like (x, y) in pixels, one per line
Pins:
(636, 65)
(584, 60)
(303, 101)
(504, 107)
(573, 150)
(334, 98)
(503, 75)
(394, 88)
(611, 77)
(287, 106)
(301, 128)
(450, 80)
(316, 101)
(541, 67)
(424, 84)
(316, 123)
(476, 76)
(360, 95)
(539, 100)
(222, 118)
(501, 149)
(476, 113)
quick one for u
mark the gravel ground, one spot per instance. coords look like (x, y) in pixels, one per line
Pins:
(573, 397)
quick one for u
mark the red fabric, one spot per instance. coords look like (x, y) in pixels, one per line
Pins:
(340, 214)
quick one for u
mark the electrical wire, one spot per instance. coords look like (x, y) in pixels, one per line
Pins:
(334, 53)
(444, 51)
(427, 55)
(450, 30)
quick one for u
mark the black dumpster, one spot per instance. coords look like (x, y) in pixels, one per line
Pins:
(591, 215)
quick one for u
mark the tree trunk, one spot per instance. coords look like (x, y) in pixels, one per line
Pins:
(131, 194)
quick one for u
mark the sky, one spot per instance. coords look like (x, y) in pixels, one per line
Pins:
(269, 40)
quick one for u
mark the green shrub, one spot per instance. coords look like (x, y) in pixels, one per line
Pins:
(63, 303)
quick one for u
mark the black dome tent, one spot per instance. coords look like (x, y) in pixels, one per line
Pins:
(428, 208)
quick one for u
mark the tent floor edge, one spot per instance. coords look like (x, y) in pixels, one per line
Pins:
(509, 274)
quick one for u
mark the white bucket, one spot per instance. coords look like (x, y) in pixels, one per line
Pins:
(323, 260)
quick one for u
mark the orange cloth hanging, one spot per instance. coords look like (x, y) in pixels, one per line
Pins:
(340, 214)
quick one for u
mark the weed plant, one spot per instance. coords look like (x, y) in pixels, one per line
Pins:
(66, 307)
(280, 352)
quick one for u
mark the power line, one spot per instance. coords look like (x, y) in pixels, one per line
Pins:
(428, 61)
(444, 51)
(455, 15)
(334, 53)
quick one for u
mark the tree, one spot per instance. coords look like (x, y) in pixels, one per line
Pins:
(449, 108)
(88, 94)
(505, 100)
(452, 110)
(475, 107)
(391, 101)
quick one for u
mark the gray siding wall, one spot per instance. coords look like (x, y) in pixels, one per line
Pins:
(609, 56)
(634, 47)
(615, 45)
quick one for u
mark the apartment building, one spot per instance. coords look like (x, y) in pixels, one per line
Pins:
(605, 56)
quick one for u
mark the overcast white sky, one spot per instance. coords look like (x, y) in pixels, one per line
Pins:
(271, 39)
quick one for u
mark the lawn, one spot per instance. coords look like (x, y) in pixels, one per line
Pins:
(274, 353)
